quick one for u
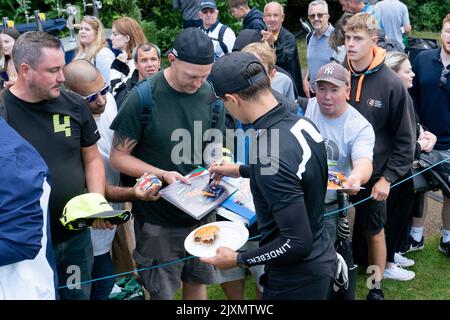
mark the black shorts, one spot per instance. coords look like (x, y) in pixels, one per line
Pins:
(370, 215)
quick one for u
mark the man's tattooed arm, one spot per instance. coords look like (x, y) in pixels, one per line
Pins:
(123, 144)
(123, 161)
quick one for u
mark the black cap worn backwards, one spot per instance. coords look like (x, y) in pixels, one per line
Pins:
(193, 46)
(229, 73)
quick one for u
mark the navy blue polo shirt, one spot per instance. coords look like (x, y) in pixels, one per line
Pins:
(432, 98)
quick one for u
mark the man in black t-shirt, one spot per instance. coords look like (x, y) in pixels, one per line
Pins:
(61, 128)
(180, 102)
(288, 182)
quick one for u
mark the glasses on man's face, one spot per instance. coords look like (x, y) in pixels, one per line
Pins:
(92, 97)
(318, 15)
(208, 11)
(443, 78)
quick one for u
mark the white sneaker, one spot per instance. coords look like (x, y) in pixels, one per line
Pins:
(403, 261)
(398, 273)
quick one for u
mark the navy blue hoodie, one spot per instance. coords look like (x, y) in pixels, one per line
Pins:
(254, 20)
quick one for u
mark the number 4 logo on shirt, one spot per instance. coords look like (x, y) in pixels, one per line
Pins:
(65, 126)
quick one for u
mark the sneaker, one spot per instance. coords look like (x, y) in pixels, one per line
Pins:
(402, 261)
(413, 245)
(375, 294)
(398, 273)
(444, 248)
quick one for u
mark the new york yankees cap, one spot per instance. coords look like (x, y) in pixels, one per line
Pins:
(333, 73)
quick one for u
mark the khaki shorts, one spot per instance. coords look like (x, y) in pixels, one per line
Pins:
(158, 245)
(238, 273)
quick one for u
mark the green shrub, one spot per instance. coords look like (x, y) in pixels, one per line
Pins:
(427, 15)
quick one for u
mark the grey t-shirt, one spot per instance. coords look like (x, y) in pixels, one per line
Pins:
(394, 15)
(347, 138)
(189, 8)
(284, 85)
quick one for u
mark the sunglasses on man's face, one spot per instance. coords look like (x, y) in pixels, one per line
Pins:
(318, 15)
(92, 97)
(443, 78)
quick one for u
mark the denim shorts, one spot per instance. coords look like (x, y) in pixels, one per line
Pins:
(238, 273)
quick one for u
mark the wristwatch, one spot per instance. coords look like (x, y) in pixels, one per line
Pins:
(240, 262)
(387, 179)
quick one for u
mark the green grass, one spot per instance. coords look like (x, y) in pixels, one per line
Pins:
(301, 45)
(426, 34)
(432, 281)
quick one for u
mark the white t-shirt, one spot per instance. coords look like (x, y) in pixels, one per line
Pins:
(102, 239)
(228, 39)
(346, 138)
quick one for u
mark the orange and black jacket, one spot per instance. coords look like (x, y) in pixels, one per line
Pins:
(380, 96)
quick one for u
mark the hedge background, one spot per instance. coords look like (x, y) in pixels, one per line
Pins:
(161, 23)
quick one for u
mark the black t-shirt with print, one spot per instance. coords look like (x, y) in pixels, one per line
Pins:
(58, 129)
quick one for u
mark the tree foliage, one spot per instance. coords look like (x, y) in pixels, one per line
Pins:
(161, 23)
(427, 15)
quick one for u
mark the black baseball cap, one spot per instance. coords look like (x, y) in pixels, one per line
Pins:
(229, 73)
(246, 37)
(193, 46)
(208, 4)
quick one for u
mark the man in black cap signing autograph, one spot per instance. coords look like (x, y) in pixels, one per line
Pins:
(180, 103)
(288, 185)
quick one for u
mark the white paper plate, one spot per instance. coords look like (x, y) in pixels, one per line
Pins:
(347, 189)
(231, 235)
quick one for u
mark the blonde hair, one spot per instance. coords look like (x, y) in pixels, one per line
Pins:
(394, 60)
(446, 19)
(130, 27)
(264, 52)
(99, 42)
(362, 21)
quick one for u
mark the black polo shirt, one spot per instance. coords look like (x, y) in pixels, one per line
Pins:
(291, 174)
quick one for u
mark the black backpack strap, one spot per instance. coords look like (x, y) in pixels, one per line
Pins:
(224, 47)
(144, 90)
(3, 110)
(217, 105)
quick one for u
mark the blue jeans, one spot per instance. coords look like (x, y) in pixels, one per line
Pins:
(103, 267)
(74, 260)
